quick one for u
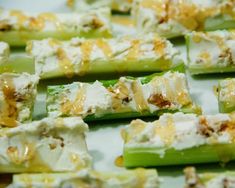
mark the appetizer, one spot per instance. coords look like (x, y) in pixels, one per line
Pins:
(87, 178)
(4, 52)
(211, 52)
(179, 138)
(17, 95)
(48, 145)
(17, 27)
(122, 6)
(123, 98)
(209, 180)
(175, 18)
(149, 53)
(226, 95)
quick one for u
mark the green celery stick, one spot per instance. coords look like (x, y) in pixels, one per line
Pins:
(177, 139)
(123, 98)
(173, 19)
(88, 178)
(208, 179)
(226, 95)
(211, 52)
(18, 27)
(78, 56)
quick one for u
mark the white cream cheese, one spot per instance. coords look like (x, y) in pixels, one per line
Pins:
(227, 91)
(48, 145)
(97, 20)
(116, 5)
(212, 49)
(221, 181)
(4, 52)
(179, 131)
(17, 95)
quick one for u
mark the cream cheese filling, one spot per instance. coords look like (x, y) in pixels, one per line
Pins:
(48, 145)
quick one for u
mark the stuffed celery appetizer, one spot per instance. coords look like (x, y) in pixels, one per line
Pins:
(126, 97)
(4, 52)
(122, 6)
(79, 56)
(17, 27)
(208, 180)
(179, 138)
(17, 95)
(86, 178)
(48, 145)
(175, 18)
(226, 95)
(211, 52)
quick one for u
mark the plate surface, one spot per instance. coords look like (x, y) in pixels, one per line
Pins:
(104, 140)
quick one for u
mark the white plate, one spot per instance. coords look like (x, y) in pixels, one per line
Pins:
(104, 141)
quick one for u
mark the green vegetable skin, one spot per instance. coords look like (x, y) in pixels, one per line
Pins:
(228, 105)
(146, 157)
(201, 68)
(18, 34)
(52, 91)
(20, 38)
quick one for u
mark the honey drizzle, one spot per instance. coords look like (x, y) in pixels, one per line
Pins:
(35, 22)
(105, 47)
(134, 50)
(74, 107)
(166, 132)
(139, 97)
(119, 161)
(65, 63)
(9, 113)
(86, 49)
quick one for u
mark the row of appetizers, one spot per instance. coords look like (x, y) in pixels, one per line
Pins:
(168, 19)
(111, 99)
(132, 178)
(56, 148)
(211, 52)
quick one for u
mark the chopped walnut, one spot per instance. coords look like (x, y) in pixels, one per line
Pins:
(5, 26)
(227, 54)
(96, 23)
(192, 179)
(158, 100)
(205, 129)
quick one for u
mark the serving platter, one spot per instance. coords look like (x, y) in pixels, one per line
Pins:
(104, 141)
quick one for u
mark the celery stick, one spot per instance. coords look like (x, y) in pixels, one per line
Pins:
(17, 27)
(226, 95)
(126, 97)
(173, 19)
(48, 145)
(208, 179)
(78, 57)
(144, 178)
(177, 139)
(17, 95)
(211, 52)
